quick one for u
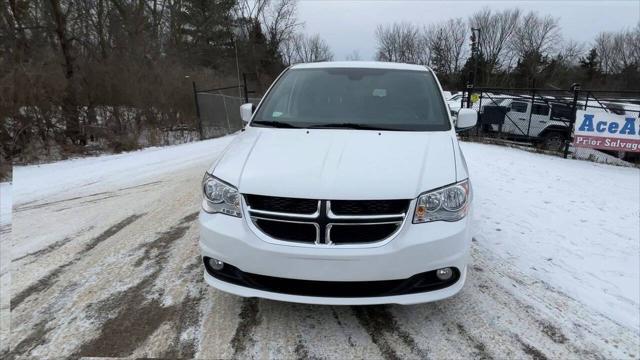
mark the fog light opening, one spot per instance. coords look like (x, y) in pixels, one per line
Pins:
(444, 274)
(216, 264)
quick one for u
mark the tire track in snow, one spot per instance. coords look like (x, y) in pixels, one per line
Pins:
(29, 206)
(135, 320)
(90, 198)
(39, 332)
(5, 229)
(53, 247)
(186, 322)
(39, 286)
(380, 324)
(35, 338)
(109, 233)
(138, 317)
(301, 350)
(506, 297)
(531, 350)
(48, 280)
(336, 317)
(249, 320)
(479, 346)
(161, 245)
(553, 332)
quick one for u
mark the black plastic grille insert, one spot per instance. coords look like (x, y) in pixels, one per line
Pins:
(419, 283)
(282, 204)
(288, 231)
(355, 234)
(369, 207)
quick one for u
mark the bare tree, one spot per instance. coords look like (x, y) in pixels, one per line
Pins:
(311, 49)
(445, 45)
(497, 30)
(634, 40)
(248, 12)
(280, 21)
(536, 34)
(64, 44)
(605, 47)
(435, 41)
(618, 50)
(571, 51)
(289, 50)
(300, 48)
(457, 30)
(627, 49)
(424, 53)
(399, 42)
(354, 56)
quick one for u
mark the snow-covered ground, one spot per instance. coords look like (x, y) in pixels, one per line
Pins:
(554, 273)
(5, 203)
(101, 175)
(5, 261)
(597, 156)
(83, 175)
(573, 224)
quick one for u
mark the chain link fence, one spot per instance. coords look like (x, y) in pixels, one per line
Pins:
(544, 118)
(219, 114)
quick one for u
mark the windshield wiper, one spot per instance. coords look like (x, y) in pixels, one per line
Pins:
(349, 126)
(275, 124)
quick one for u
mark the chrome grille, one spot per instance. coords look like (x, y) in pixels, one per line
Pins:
(327, 222)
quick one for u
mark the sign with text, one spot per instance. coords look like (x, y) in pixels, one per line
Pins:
(603, 130)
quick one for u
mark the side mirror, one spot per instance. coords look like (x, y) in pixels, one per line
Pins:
(467, 118)
(246, 110)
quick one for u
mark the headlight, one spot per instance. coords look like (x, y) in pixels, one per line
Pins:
(220, 197)
(450, 203)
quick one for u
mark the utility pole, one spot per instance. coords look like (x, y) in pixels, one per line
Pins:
(235, 46)
(246, 90)
(475, 50)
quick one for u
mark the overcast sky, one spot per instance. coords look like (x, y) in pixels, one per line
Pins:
(349, 25)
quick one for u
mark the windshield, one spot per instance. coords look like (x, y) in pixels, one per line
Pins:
(357, 98)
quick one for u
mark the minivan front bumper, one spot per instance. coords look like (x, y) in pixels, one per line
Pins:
(416, 249)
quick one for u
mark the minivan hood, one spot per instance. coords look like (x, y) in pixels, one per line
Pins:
(338, 164)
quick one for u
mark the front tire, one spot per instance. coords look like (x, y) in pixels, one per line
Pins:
(553, 141)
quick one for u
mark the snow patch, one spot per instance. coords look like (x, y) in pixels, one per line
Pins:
(572, 224)
(85, 176)
(5, 203)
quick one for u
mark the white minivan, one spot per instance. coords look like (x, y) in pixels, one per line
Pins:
(347, 186)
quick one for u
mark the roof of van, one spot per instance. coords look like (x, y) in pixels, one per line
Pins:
(360, 64)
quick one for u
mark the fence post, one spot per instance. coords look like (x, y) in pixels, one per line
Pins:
(572, 120)
(246, 91)
(533, 100)
(586, 101)
(479, 124)
(195, 99)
